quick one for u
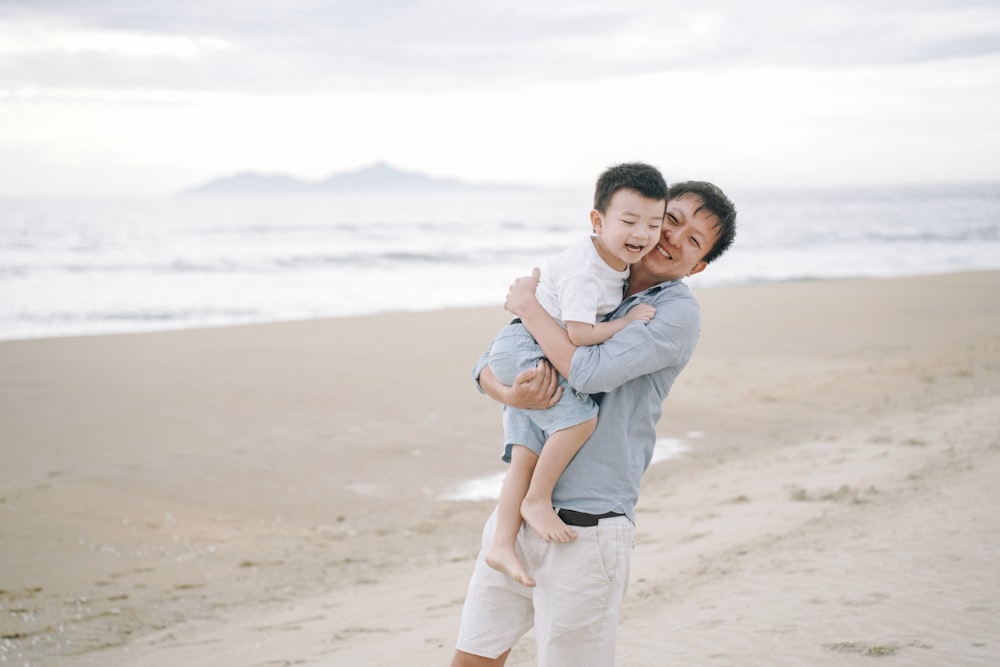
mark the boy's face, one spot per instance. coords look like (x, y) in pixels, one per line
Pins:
(688, 233)
(628, 229)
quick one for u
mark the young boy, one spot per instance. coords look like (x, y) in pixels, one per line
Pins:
(579, 287)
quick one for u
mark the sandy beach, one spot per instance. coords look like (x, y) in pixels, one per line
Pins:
(278, 494)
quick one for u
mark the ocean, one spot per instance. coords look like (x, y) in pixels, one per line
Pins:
(99, 266)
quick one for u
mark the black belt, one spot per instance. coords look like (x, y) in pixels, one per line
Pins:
(582, 519)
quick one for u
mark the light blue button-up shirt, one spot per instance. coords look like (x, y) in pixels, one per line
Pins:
(634, 371)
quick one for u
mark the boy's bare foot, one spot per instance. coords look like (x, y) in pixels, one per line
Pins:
(506, 561)
(544, 520)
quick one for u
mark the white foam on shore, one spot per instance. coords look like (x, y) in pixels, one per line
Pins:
(481, 488)
(488, 487)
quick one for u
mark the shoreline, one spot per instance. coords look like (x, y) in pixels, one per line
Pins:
(192, 496)
(760, 283)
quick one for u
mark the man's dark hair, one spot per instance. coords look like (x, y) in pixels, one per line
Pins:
(643, 178)
(715, 201)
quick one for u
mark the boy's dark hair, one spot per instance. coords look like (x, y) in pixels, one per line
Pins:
(643, 178)
(715, 201)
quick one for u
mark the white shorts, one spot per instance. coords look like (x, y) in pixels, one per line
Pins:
(574, 606)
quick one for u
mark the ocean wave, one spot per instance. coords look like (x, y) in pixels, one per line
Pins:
(115, 266)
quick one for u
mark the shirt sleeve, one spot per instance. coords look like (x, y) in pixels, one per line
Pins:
(579, 296)
(639, 349)
(482, 363)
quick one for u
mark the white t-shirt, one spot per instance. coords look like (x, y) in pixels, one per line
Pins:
(578, 286)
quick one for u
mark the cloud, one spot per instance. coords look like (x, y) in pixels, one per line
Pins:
(370, 45)
(98, 95)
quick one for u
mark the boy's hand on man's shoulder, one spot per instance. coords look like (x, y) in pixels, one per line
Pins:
(640, 312)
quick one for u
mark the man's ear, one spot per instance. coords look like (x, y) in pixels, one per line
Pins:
(596, 219)
(698, 268)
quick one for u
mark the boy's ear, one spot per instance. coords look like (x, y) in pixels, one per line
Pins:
(596, 219)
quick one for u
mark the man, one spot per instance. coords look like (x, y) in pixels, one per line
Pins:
(580, 585)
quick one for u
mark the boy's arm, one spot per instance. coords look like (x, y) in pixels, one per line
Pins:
(555, 341)
(667, 340)
(552, 338)
(585, 333)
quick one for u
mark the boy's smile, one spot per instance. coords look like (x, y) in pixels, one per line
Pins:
(628, 229)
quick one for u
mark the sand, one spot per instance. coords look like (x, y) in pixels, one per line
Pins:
(273, 494)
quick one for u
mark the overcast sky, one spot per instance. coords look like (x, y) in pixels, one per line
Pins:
(141, 97)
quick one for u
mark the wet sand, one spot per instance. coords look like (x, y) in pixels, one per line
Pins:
(273, 494)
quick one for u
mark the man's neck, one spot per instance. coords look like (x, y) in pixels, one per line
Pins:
(639, 281)
(635, 288)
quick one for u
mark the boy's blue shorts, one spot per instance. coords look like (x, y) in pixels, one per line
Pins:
(513, 351)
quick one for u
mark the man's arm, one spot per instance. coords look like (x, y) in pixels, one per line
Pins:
(667, 340)
(553, 339)
(536, 388)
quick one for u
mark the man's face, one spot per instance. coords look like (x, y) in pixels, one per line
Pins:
(688, 233)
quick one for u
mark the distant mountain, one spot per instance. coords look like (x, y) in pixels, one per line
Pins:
(379, 177)
(251, 182)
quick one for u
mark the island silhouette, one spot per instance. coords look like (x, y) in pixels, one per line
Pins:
(379, 177)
